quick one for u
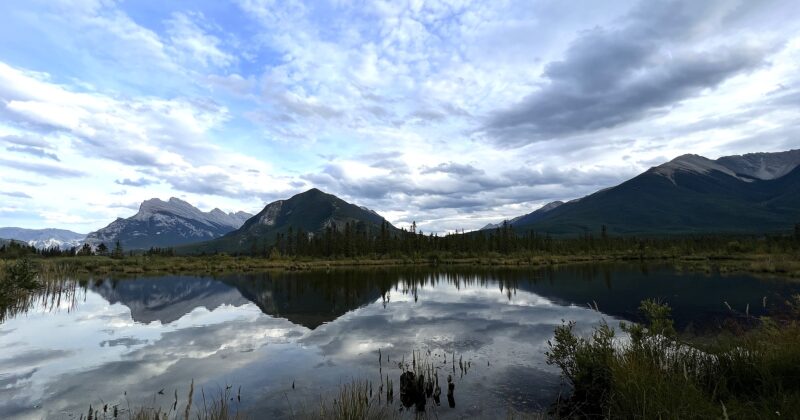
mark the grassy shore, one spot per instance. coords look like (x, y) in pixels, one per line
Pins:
(750, 370)
(785, 265)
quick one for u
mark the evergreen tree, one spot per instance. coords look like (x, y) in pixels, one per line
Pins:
(289, 245)
(102, 249)
(86, 250)
(118, 252)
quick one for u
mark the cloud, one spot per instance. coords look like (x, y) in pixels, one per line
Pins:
(33, 358)
(166, 139)
(128, 205)
(26, 141)
(33, 151)
(190, 40)
(43, 169)
(17, 194)
(613, 76)
(453, 169)
(232, 83)
(144, 132)
(141, 182)
(443, 113)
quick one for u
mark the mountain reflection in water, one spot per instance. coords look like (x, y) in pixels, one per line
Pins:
(89, 341)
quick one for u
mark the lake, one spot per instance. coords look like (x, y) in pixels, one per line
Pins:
(289, 339)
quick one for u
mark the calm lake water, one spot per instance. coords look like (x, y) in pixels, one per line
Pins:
(112, 340)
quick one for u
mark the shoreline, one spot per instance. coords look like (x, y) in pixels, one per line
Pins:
(778, 265)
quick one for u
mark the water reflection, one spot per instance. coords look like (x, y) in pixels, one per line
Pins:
(289, 338)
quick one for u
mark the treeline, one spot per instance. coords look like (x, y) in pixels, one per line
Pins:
(362, 240)
(16, 249)
(357, 240)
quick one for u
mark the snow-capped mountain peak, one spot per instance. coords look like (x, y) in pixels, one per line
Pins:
(180, 208)
(44, 238)
(173, 222)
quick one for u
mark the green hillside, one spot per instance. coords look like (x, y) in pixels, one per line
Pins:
(689, 203)
(308, 214)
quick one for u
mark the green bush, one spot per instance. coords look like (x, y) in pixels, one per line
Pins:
(21, 274)
(656, 374)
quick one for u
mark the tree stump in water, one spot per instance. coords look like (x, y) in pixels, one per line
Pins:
(451, 400)
(412, 390)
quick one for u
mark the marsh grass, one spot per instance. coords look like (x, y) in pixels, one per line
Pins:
(222, 406)
(517, 415)
(784, 263)
(354, 401)
(751, 373)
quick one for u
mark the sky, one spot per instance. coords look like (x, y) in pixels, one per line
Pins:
(452, 114)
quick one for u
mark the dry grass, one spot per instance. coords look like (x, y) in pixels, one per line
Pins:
(787, 265)
(354, 401)
(224, 406)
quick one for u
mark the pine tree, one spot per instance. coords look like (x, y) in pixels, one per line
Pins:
(118, 253)
(102, 249)
(86, 250)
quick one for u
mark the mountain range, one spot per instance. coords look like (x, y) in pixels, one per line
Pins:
(753, 193)
(167, 224)
(44, 238)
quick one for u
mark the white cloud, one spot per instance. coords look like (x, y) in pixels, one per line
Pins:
(269, 97)
(191, 41)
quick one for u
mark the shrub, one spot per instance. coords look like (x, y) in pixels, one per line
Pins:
(752, 374)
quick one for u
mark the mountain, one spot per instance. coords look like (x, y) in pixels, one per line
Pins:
(312, 211)
(6, 242)
(753, 193)
(44, 238)
(527, 218)
(168, 298)
(309, 300)
(167, 224)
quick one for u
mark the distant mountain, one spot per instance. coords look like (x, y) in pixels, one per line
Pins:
(527, 218)
(167, 299)
(4, 242)
(167, 224)
(312, 211)
(754, 193)
(44, 238)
